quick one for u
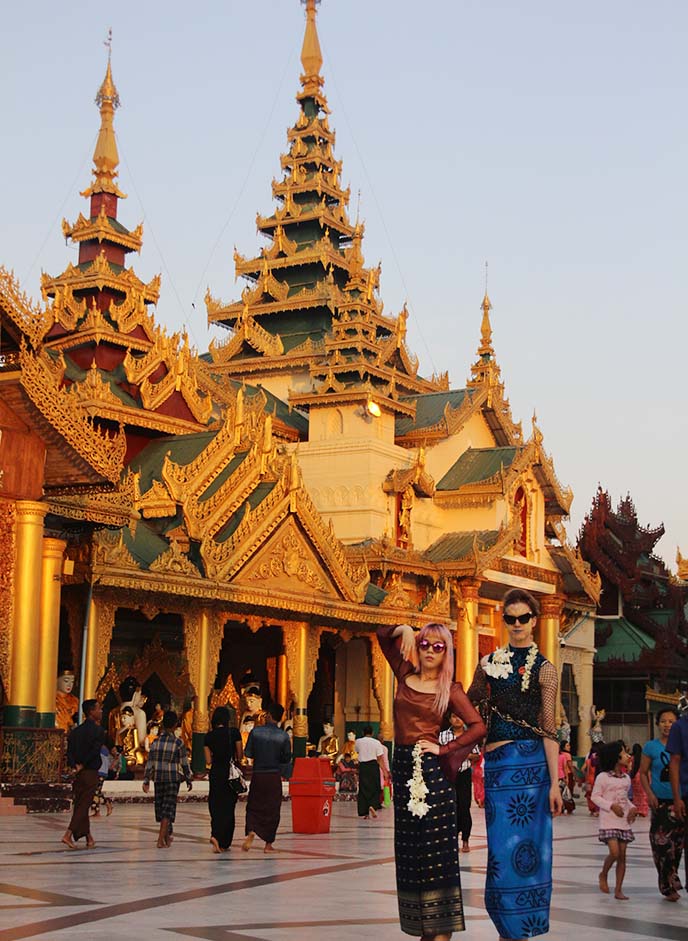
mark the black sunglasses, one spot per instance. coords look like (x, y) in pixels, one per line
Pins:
(511, 619)
(438, 646)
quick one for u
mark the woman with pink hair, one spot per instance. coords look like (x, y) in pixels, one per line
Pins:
(425, 837)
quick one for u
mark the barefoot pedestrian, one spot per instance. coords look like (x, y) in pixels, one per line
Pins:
(617, 813)
(270, 749)
(83, 754)
(167, 766)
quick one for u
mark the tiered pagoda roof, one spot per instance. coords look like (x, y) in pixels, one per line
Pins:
(311, 304)
(97, 331)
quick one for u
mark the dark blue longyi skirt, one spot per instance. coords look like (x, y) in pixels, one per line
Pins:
(426, 851)
(518, 886)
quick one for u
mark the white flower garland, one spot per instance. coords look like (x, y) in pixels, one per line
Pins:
(499, 665)
(417, 786)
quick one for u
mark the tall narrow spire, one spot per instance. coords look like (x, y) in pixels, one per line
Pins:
(105, 156)
(486, 328)
(485, 368)
(311, 56)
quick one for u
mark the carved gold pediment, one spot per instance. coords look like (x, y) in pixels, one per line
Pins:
(287, 563)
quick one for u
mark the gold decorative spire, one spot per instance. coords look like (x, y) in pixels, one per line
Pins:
(105, 156)
(486, 327)
(485, 368)
(311, 56)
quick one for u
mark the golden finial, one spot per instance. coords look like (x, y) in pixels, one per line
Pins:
(311, 56)
(105, 156)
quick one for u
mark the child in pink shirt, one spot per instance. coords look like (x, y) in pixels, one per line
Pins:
(617, 813)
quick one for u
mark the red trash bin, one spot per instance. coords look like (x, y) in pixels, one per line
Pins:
(312, 789)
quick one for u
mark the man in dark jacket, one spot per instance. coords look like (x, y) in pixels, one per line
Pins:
(270, 749)
(83, 754)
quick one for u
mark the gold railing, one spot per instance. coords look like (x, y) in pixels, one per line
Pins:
(31, 756)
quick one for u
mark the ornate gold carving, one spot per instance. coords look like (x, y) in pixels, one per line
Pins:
(29, 316)
(288, 558)
(157, 502)
(192, 631)
(7, 556)
(31, 756)
(174, 562)
(102, 452)
(379, 665)
(100, 229)
(438, 602)
(109, 550)
(106, 608)
(303, 684)
(227, 694)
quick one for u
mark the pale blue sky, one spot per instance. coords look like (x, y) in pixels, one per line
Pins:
(548, 138)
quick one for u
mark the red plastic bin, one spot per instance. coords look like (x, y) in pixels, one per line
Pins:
(312, 790)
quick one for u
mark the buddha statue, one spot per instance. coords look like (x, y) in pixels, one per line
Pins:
(66, 703)
(328, 744)
(253, 713)
(128, 739)
(152, 732)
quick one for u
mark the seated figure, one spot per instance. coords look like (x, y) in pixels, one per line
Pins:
(328, 744)
(128, 740)
(253, 714)
(346, 771)
(66, 703)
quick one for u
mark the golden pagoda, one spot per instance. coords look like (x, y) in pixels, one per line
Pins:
(260, 509)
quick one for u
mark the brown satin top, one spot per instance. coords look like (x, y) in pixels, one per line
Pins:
(414, 716)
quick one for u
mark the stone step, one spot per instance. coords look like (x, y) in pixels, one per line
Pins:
(9, 809)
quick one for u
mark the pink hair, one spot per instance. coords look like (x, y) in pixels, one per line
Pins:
(446, 676)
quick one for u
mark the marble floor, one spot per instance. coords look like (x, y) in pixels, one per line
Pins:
(339, 885)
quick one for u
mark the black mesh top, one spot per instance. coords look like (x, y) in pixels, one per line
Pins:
(503, 697)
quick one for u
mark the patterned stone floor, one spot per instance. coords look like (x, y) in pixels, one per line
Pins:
(339, 885)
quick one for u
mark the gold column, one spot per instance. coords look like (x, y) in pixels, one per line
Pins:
(548, 628)
(282, 681)
(90, 657)
(387, 704)
(301, 645)
(200, 719)
(467, 632)
(583, 677)
(200, 712)
(25, 625)
(51, 586)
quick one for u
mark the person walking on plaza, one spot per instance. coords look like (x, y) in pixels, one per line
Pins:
(222, 745)
(617, 813)
(167, 766)
(425, 841)
(667, 833)
(83, 754)
(371, 763)
(677, 746)
(463, 783)
(270, 749)
(517, 688)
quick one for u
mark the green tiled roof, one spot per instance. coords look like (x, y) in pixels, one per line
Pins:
(429, 409)
(183, 449)
(627, 641)
(374, 596)
(224, 475)
(257, 496)
(476, 464)
(455, 546)
(281, 410)
(76, 374)
(145, 546)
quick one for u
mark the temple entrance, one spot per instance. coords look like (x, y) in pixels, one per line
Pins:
(321, 700)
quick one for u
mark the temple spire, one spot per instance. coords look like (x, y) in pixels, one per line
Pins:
(311, 56)
(485, 368)
(486, 328)
(105, 155)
